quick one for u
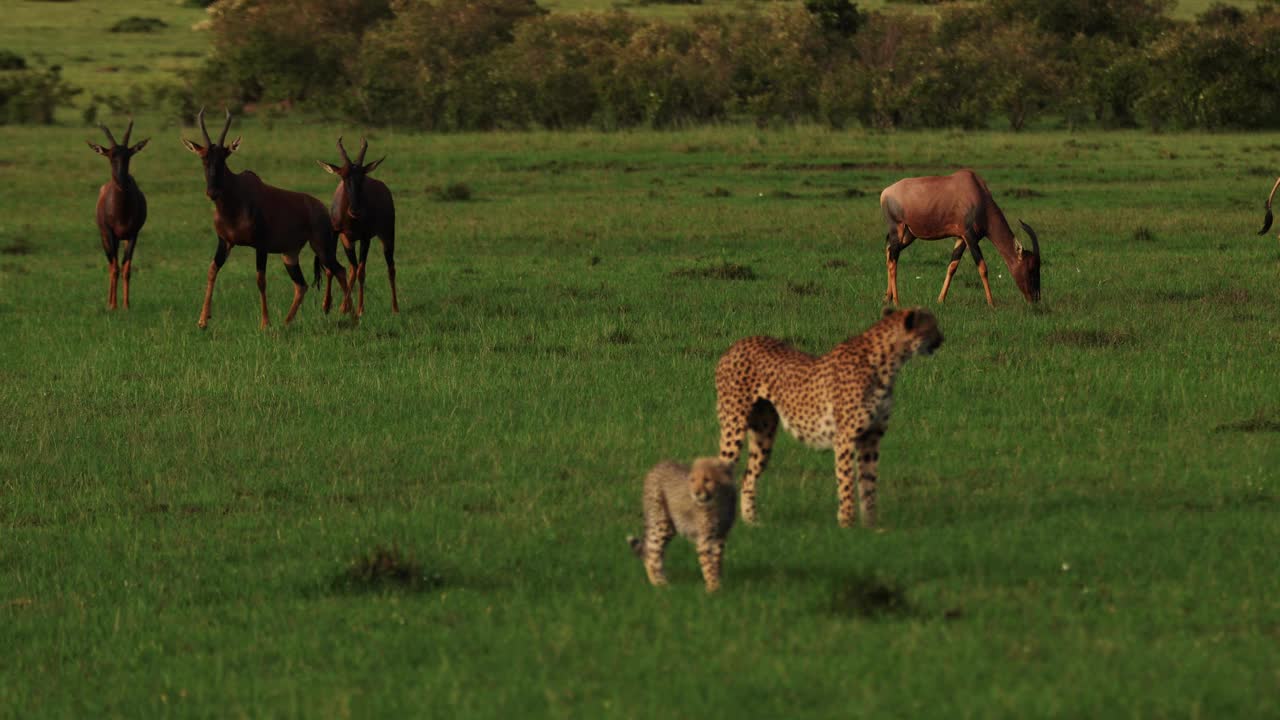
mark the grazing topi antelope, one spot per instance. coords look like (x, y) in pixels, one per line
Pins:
(122, 209)
(362, 208)
(247, 211)
(956, 206)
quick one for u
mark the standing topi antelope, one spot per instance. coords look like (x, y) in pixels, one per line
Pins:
(1266, 222)
(362, 208)
(956, 206)
(122, 209)
(247, 211)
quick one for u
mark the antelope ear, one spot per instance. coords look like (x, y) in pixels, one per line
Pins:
(138, 148)
(235, 145)
(197, 149)
(888, 310)
(909, 322)
(371, 166)
(107, 153)
(331, 169)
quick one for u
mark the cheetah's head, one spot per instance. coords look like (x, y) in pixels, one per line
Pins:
(913, 330)
(706, 476)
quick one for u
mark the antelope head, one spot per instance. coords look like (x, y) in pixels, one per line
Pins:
(352, 175)
(214, 156)
(118, 153)
(1026, 273)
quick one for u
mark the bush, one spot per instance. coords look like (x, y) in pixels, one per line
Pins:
(12, 61)
(33, 96)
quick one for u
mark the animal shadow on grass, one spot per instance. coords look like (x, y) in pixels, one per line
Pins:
(869, 597)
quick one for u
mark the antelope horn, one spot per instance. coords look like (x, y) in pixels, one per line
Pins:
(364, 147)
(1035, 241)
(1266, 223)
(127, 132)
(223, 138)
(203, 130)
(112, 138)
(343, 150)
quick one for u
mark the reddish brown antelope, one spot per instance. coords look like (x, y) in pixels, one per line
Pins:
(956, 206)
(122, 209)
(362, 208)
(1266, 222)
(247, 211)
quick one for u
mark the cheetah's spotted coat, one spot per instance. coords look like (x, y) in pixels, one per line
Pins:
(841, 400)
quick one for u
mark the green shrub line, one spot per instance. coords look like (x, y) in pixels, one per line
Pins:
(459, 65)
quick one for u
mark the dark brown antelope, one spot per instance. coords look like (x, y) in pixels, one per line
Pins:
(956, 206)
(247, 211)
(122, 209)
(1266, 222)
(362, 208)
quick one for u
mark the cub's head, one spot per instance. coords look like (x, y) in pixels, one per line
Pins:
(706, 476)
(913, 330)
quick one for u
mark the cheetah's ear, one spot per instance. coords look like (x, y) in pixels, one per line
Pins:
(888, 310)
(909, 321)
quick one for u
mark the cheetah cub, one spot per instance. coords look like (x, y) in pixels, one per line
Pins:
(841, 400)
(699, 503)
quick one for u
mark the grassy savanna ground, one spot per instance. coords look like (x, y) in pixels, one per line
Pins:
(1079, 499)
(76, 36)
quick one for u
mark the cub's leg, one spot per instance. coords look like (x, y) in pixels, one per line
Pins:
(763, 423)
(710, 555)
(658, 531)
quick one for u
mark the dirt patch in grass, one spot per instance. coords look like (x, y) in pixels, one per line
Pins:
(1259, 423)
(869, 597)
(718, 192)
(1091, 338)
(385, 569)
(618, 337)
(723, 271)
(453, 192)
(1024, 193)
(834, 263)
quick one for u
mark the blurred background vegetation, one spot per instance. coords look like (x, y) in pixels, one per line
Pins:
(450, 65)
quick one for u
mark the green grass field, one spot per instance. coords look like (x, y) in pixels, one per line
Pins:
(1078, 498)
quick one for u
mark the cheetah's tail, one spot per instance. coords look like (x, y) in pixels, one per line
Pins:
(637, 546)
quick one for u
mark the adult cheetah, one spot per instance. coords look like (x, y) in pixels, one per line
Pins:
(698, 502)
(839, 400)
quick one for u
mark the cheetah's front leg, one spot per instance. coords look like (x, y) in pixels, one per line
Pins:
(659, 532)
(868, 447)
(710, 555)
(845, 447)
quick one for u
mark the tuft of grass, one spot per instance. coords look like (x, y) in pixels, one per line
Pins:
(804, 289)
(718, 192)
(724, 271)
(1090, 338)
(453, 192)
(1259, 423)
(1023, 193)
(1144, 234)
(20, 246)
(135, 24)
(384, 569)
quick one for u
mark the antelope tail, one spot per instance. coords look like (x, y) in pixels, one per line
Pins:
(1266, 222)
